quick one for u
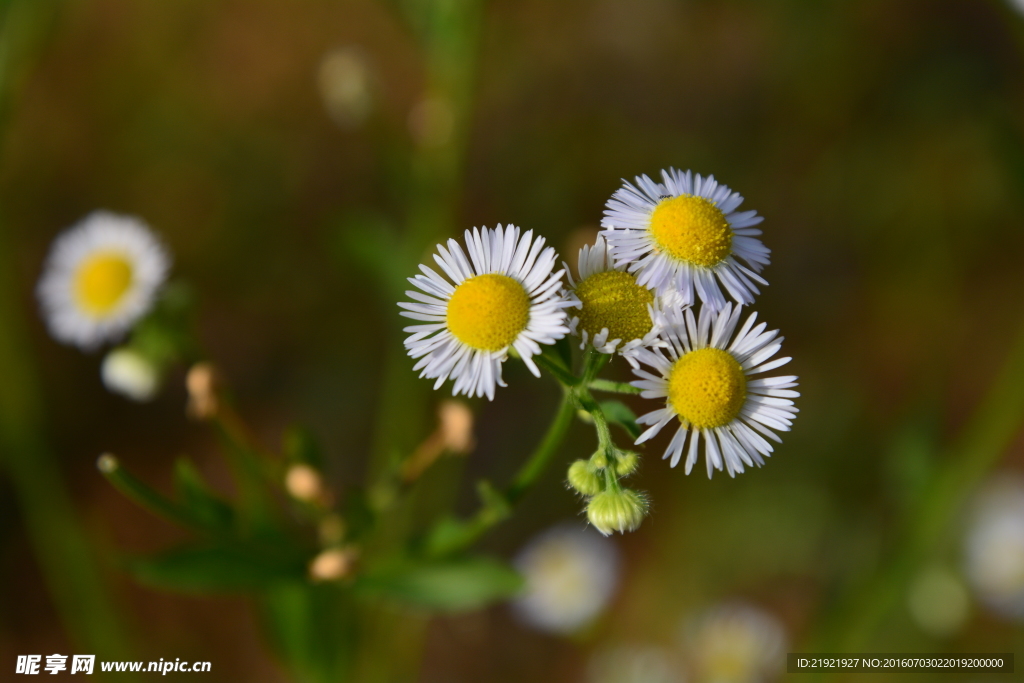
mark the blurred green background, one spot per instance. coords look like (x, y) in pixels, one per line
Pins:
(883, 141)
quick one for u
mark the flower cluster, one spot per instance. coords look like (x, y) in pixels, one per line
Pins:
(654, 288)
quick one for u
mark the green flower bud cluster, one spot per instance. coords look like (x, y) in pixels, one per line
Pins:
(610, 507)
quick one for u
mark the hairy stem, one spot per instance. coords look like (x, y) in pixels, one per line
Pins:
(613, 387)
(549, 445)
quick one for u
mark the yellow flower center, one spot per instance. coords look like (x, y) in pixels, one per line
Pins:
(707, 388)
(101, 282)
(614, 300)
(487, 312)
(691, 229)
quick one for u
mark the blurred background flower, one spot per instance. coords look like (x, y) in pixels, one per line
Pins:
(571, 573)
(734, 643)
(938, 602)
(345, 80)
(995, 547)
(633, 664)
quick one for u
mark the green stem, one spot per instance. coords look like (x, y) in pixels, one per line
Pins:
(593, 361)
(459, 535)
(604, 432)
(592, 365)
(449, 32)
(533, 467)
(559, 371)
(613, 387)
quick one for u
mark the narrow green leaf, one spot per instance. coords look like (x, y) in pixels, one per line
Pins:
(140, 492)
(619, 413)
(446, 586)
(199, 500)
(312, 628)
(215, 569)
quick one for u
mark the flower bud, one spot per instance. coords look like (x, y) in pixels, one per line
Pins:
(620, 511)
(304, 483)
(456, 426)
(584, 479)
(599, 460)
(129, 373)
(626, 463)
(332, 564)
(201, 383)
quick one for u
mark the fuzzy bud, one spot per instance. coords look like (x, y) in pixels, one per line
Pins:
(584, 479)
(620, 511)
(626, 463)
(599, 460)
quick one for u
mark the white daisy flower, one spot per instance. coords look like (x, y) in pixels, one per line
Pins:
(570, 577)
(685, 234)
(100, 277)
(504, 295)
(616, 313)
(706, 383)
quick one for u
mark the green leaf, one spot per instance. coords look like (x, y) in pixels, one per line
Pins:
(162, 336)
(194, 494)
(215, 569)
(493, 501)
(619, 413)
(368, 239)
(312, 627)
(447, 586)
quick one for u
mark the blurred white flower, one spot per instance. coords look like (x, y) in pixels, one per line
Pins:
(633, 664)
(571, 575)
(344, 82)
(995, 547)
(129, 373)
(100, 277)
(938, 602)
(735, 643)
